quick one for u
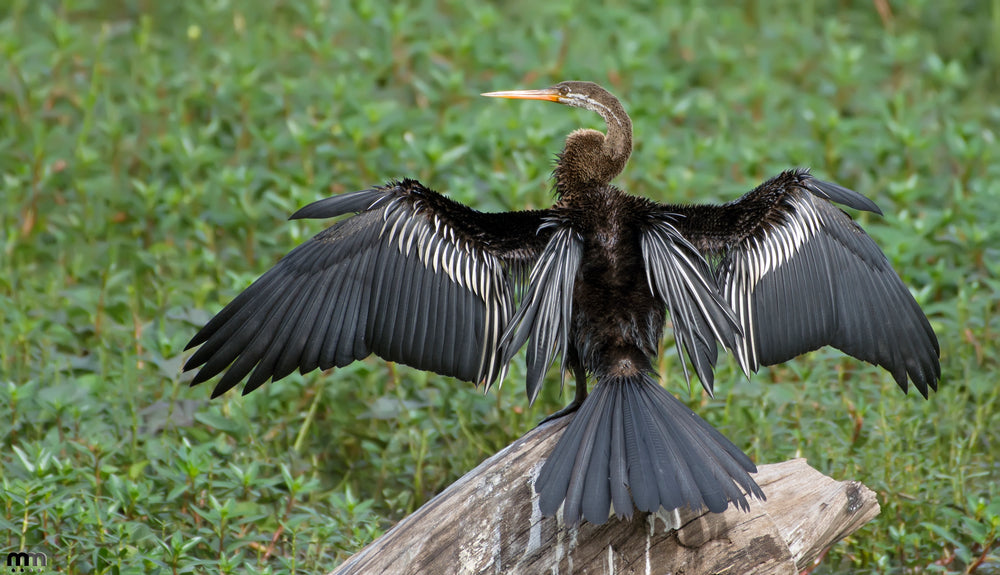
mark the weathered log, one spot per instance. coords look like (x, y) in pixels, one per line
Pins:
(489, 522)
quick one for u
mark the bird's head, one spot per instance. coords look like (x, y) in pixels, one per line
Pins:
(587, 95)
(589, 156)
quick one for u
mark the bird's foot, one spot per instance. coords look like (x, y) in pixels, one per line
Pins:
(573, 406)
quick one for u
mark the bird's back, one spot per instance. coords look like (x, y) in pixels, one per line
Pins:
(617, 320)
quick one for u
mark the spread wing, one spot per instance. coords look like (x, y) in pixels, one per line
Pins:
(800, 274)
(413, 277)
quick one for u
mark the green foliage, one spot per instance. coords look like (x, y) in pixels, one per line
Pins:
(150, 154)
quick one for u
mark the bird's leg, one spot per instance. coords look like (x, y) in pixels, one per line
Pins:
(581, 387)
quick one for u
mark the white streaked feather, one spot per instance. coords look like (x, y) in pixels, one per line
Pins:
(549, 299)
(484, 358)
(448, 263)
(410, 226)
(411, 236)
(440, 249)
(396, 232)
(435, 254)
(761, 255)
(422, 235)
(469, 266)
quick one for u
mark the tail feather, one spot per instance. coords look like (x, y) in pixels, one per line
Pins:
(694, 441)
(559, 485)
(633, 445)
(620, 497)
(596, 497)
(676, 480)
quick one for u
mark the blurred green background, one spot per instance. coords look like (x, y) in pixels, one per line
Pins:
(150, 153)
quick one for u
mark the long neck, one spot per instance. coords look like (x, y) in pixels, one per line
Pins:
(618, 141)
(591, 158)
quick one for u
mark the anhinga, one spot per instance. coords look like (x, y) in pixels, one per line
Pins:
(421, 280)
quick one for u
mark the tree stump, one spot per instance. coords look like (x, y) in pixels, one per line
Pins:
(489, 522)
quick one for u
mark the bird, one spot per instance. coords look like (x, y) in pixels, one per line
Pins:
(419, 279)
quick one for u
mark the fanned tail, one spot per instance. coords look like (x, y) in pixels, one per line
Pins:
(632, 442)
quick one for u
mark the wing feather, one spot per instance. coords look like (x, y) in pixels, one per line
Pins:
(544, 317)
(800, 274)
(681, 277)
(412, 277)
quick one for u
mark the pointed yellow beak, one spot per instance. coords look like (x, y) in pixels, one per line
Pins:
(548, 94)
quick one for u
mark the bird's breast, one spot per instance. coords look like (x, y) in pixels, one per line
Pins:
(615, 314)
